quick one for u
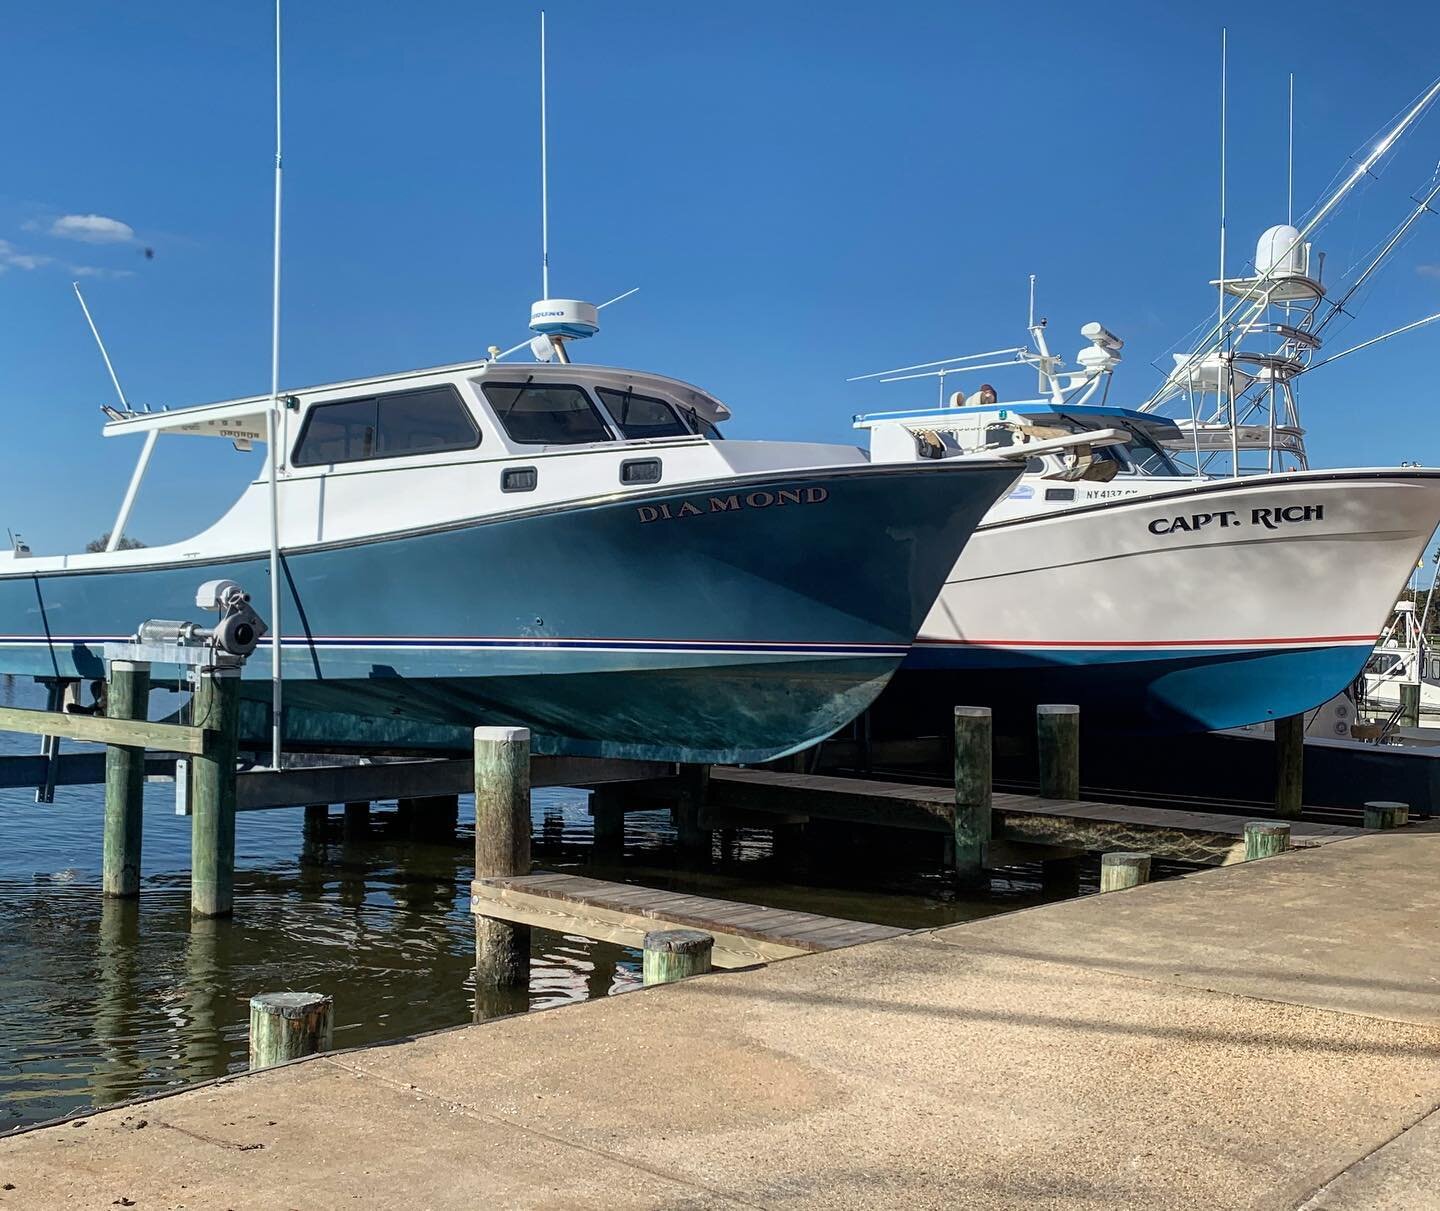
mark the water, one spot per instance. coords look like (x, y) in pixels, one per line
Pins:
(109, 1000)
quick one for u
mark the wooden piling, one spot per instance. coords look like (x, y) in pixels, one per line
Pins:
(1289, 766)
(693, 840)
(317, 815)
(676, 954)
(973, 779)
(1384, 814)
(502, 847)
(1264, 838)
(1057, 734)
(608, 814)
(212, 826)
(357, 820)
(127, 697)
(1120, 870)
(1410, 703)
(287, 1025)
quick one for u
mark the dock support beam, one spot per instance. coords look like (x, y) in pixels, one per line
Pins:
(1057, 735)
(1289, 766)
(973, 767)
(127, 697)
(286, 1025)
(675, 954)
(502, 847)
(212, 829)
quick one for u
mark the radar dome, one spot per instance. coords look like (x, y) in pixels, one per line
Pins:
(564, 318)
(1279, 252)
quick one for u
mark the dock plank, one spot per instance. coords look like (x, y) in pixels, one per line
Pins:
(1208, 838)
(744, 934)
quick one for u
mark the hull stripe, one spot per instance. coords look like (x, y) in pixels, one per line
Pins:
(1131, 644)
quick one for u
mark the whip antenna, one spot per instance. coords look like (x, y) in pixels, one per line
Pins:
(89, 319)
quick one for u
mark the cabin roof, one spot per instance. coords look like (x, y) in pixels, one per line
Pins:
(245, 417)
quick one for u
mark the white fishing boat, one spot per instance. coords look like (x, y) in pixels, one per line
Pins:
(1167, 574)
(1404, 670)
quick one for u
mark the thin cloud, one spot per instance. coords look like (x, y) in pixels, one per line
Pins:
(12, 258)
(1428, 271)
(92, 229)
(97, 271)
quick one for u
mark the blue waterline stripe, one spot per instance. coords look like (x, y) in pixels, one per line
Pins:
(537, 643)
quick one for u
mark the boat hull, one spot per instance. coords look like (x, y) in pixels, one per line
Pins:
(731, 621)
(1153, 619)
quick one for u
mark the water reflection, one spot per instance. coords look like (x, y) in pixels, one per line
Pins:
(108, 1000)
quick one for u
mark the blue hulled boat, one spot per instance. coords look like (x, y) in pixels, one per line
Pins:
(564, 547)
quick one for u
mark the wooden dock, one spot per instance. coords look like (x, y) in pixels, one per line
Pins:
(745, 934)
(1208, 838)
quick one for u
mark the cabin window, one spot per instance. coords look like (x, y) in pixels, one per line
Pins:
(999, 435)
(546, 414)
(519, 479)
(427, 421)
(640, 471)
(704, 427)
(641, 416)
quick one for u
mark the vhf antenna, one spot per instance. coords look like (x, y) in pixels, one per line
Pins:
(544, 176)
(89, 319)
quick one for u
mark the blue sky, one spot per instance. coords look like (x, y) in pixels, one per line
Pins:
(802, 192)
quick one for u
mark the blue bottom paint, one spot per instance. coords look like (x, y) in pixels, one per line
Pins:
(1133, 690)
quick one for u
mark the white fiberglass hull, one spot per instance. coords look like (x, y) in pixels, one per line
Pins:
(1201, 606)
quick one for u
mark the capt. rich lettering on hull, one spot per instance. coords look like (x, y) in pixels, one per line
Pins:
(1270, 518)
(732, 503)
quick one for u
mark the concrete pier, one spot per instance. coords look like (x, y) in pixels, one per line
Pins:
(1264, 1035)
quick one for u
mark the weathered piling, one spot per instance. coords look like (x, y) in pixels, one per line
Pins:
(1289, 765)
(216, 707)
(317, 815)
(1264, 838)
(693, 840)
(1120, 870)
(287, 1025)
(357, 820)
(973, 770)
(1410, 703)
(1384, 814)
(127, 697)
(608, 813)
(502, 847)
(1057, 735)
(676, 954)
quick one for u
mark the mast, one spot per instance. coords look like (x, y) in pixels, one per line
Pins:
(544, 176)
(274, 426)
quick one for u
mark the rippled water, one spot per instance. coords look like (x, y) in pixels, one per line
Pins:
(107, 1000)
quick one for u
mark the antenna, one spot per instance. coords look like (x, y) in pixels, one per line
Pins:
(89, 319)
(1290, 179)
(1224, 39)
(544, 176)
(273, 423)
(1031, 324)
